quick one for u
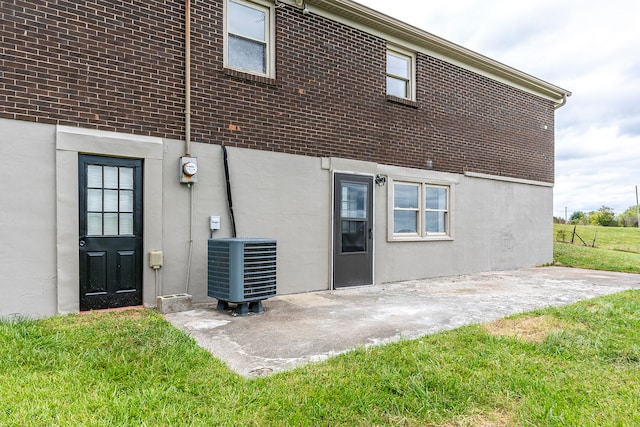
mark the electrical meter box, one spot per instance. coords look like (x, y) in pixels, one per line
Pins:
(188, 170)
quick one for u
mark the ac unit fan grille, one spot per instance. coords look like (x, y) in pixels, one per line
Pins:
(242, 270)
(259, 270)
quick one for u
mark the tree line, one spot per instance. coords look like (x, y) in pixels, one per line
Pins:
(604, 216)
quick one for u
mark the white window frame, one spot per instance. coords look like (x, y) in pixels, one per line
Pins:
(421, 234)
(446, 211)
(270, 60)
(416, 210)
(411, 79)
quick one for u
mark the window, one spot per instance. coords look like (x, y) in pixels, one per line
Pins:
(420, 211)
(110, 200)
(353, 216)
(436, 209)
(406, 211)
(249, 37)
(400, 80)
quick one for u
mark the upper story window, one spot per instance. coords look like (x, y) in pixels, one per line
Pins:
(400, 74)
(420, 211)
(249, 37)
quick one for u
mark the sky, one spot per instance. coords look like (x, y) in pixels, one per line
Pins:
(592, 49)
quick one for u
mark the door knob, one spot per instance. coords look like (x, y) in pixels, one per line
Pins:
(82, 242)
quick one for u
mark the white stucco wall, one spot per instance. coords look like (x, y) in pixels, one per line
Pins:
(496, 224)
(274, 195)
(27, 219)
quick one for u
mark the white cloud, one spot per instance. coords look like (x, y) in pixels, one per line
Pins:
(589, 48)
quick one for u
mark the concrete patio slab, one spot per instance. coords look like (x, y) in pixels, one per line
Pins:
(303, 328)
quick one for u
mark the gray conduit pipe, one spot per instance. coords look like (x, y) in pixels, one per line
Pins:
(187, 78)
(187, 124)
(191, 197)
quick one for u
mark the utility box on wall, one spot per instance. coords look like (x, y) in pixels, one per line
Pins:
(188, 170)
(241, 271)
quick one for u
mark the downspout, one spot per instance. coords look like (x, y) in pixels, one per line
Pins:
(564, 101)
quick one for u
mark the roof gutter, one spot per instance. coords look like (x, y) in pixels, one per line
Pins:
(564, 101)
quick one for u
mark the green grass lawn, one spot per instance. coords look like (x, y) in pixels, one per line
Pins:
(594, 258)
(625, 239)
(577, 365)
(616, 249)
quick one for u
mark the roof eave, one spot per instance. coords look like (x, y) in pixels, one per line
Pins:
(383, 23)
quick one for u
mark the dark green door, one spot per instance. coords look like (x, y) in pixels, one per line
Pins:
(110, 235)
(352, 230)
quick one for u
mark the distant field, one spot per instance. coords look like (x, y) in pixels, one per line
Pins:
(624, 239)
(616, 248)
(595, 259)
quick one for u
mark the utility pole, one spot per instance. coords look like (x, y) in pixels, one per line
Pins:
(565, 214)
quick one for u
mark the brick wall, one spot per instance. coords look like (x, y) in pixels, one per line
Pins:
(118, 66)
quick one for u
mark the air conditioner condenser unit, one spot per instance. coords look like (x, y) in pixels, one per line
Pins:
(241, 271)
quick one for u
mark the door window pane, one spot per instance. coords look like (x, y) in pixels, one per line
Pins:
(126, 201)
(354, 236)
(110, 177)
(94, 224)
(354, 200)
(126, 178)
(111, 200)
(126, 223)
(94, 176)
(110, 224)
(94, 200)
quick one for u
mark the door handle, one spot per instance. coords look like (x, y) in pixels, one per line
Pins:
(82, 242)
(370, 233)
